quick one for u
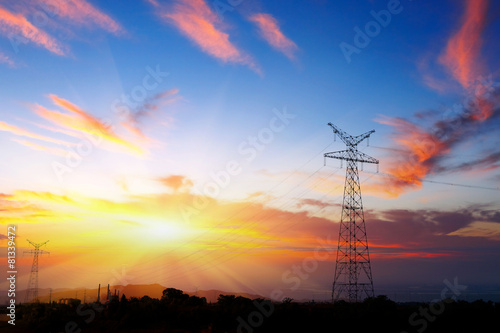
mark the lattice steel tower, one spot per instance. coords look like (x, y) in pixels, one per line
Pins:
(32, 290)
(353, 274)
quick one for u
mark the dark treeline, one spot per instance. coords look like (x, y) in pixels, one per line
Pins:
(179, 312)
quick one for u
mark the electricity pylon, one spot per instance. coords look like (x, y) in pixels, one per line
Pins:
(353, 274)
(32, 290)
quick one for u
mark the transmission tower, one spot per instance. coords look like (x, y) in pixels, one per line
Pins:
(32, 290)
(353, 274)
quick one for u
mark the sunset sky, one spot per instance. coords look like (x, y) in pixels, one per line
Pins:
(181, 142)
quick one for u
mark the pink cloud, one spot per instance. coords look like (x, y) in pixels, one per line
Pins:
(463, 48)
(17, 26)
(36, 146)
(83, 13)
(22, 132)
(6, 60)
(199, 23)
(270, 31)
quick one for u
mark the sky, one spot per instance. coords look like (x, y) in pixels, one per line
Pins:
(181, 142)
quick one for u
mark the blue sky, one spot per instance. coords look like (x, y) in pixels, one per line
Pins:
(426, 82)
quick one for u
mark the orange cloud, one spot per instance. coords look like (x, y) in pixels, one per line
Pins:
(464, 47)
(461, 57)
(176, 182)
(226, 234)
(415, 160)
(50, 150)
(270, 31)
(82, 12)
(85, 123)
(424, 147)
(198, 22)
(17, 27)
(22, 132)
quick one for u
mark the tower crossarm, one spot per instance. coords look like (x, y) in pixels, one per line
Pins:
(359, 138)
(36, 246)
(350, 140)
(350, 155)
(39, 252)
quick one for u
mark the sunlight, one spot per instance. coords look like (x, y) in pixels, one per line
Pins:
(160, 230)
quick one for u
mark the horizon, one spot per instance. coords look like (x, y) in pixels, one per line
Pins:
(181, 143)
(398, 294)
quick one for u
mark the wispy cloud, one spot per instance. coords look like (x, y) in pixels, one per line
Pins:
(463, 48)
(12, 25)
(270, 31)
(22, 132)
(83, 122)
(83, 13)
(6, 60)
(45, 149)
(424, 147)
(148, 109)
(196, 20)
(16, 22)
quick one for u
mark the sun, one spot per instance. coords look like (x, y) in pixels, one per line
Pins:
(161, 230)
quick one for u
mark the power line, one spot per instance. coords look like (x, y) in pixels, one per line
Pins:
(444, 183)
(242, 209)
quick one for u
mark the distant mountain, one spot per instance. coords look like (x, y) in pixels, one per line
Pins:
(135, 290)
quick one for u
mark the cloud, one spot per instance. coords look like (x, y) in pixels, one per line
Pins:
(226, 234)
(76, 122)
(315, 203)
(17, 28)
(6, 60)
(486, 230)
(195, 20)
(148, 108)
(83, 13)
(270, 31)
(83, 122)
(16, 25)
(463, 48)
(176, 182)
(425, 147)
(22, 132)
(491, 161)
(401, 233)
(415, 158)
(50, 150)
(154, 102)
(154, 3)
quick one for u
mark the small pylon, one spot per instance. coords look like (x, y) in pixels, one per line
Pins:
(32, 290)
